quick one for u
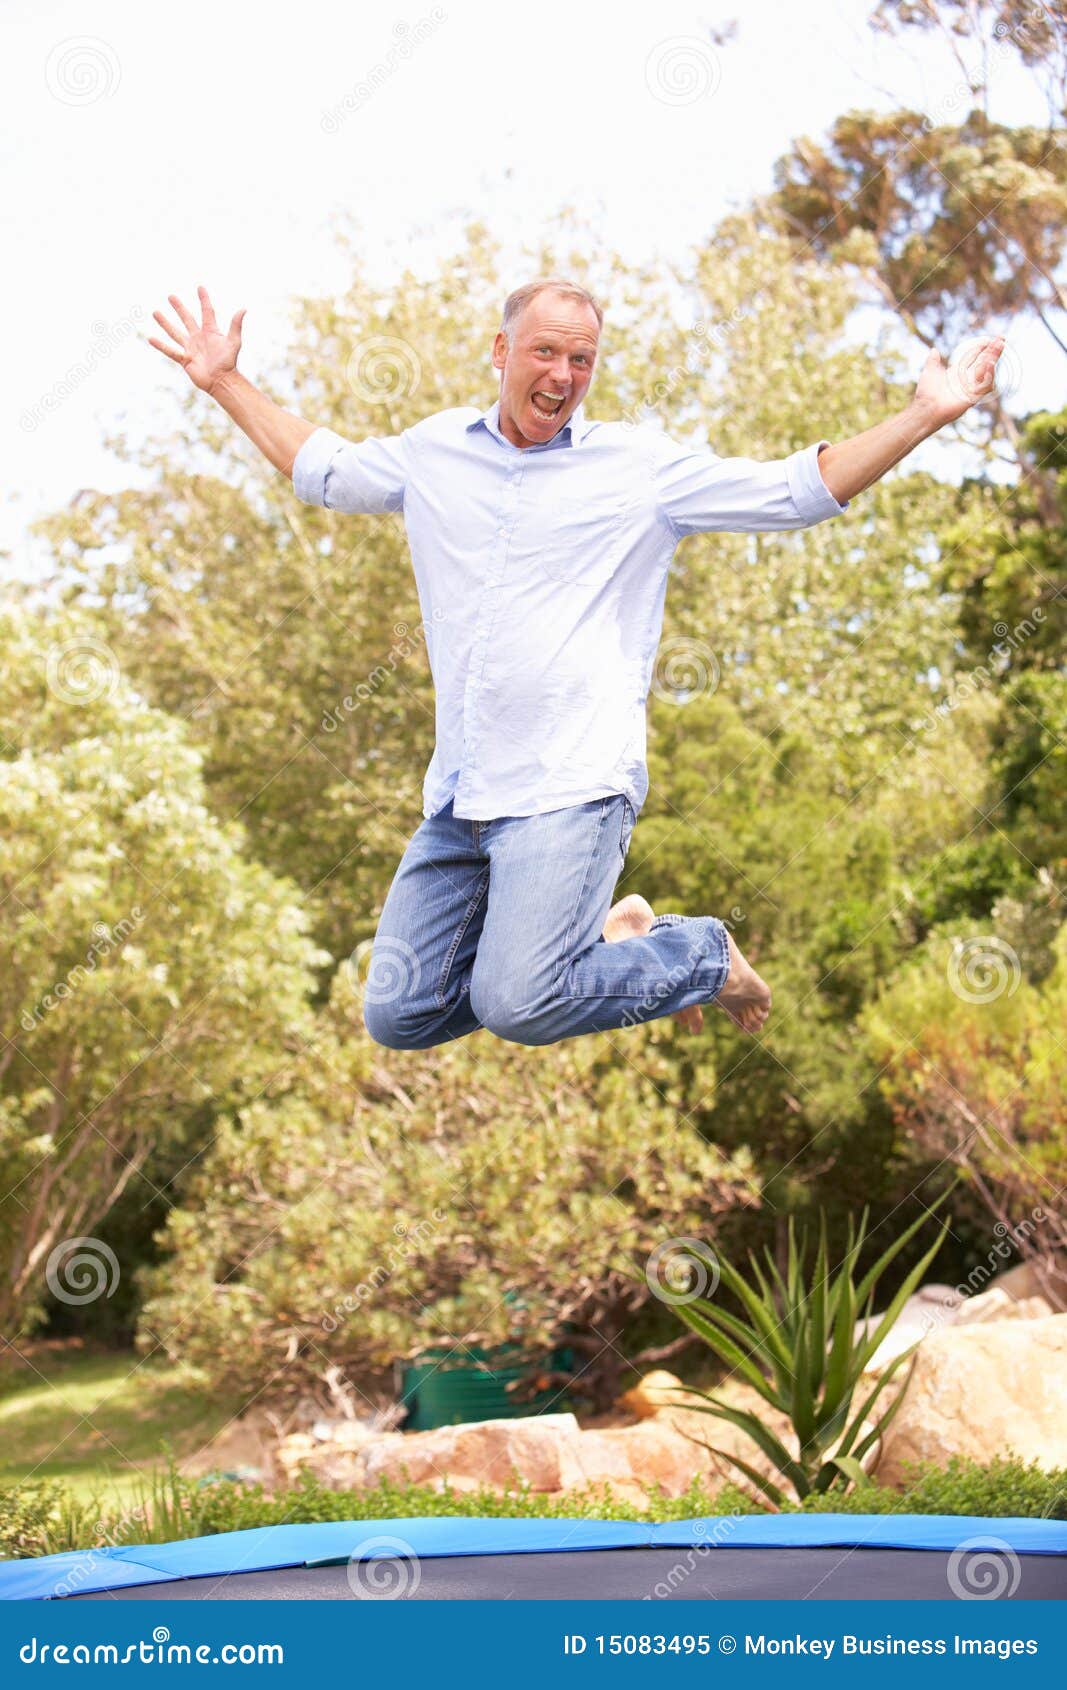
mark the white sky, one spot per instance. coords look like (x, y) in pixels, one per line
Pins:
(188, 145)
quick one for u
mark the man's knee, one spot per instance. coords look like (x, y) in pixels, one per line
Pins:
(513, 1017)
(390, 1025)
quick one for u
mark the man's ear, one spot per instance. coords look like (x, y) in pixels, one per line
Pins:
(500, 350)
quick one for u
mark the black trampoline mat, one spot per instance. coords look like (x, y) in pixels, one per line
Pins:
(697, 1574)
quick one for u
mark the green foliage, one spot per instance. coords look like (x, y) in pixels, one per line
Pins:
(797, 1344)
(1006, 1487)
(152, 971)
(970, 1058)
(856, 776)
(40, 1518)
(465, 1195)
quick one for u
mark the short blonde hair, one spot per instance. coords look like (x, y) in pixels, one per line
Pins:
(516, 302)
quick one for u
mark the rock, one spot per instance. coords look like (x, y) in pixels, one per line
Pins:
(982, 1389)
(655, 1391)
(937, 1307)
(1046, 1277)
(1019, 1281)
(731, 1440)
(534, 1447)
(931, 1307)
(294, 1452)
(553, 1455)
(549, 1452)
(655, 1452)
(250, 1442)
(346, 1434)
(997, 1304)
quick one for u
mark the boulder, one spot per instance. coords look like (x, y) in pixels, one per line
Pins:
(1045, 1277)
(982, 1389)
(1022, 1280)
(550, 1452)
(997, 1304)
(937, 1307)
(930, 1308)
(656, 1390)
(245, 1446)
(722, 1435)
(537, 1448)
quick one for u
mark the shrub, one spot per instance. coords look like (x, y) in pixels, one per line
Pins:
(41, 1518)
(798, 1346)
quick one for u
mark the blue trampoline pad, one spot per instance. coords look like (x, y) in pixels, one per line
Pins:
(789, 1556)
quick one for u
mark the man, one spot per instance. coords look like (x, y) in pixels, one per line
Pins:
(540, 542)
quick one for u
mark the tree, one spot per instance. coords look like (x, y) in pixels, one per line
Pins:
(950, 218)
(152, 972)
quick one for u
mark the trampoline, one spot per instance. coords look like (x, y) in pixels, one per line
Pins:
(784, 1556)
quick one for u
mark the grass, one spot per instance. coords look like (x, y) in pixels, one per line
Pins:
(98, 1420)
(42, 1519)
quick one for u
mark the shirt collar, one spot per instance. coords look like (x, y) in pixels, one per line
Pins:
(575, 429)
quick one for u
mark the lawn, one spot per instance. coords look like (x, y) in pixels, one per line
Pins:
(95, 1419)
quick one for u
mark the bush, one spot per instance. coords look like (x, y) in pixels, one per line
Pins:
(472, 1194)
(797, 1344)
(41, 1518)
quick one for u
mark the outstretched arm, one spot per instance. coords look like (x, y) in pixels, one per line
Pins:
(943, 394)
(209, 358)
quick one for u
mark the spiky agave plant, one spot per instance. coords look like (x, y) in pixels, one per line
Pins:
(798, 1347)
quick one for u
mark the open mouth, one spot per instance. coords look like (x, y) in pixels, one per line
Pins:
(548, 405)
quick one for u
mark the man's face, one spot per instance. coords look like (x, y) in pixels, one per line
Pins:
(546, 369)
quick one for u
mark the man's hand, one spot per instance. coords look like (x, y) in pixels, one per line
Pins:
(206, 353)
(946, 391)
(943, 394)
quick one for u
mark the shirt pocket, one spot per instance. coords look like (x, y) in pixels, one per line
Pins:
(580, 538)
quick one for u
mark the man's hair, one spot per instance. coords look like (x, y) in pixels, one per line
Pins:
(516, 302)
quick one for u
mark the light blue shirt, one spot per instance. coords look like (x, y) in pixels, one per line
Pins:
(541, 573)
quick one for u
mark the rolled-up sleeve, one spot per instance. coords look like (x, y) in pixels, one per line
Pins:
(698, 492)
(366, 477)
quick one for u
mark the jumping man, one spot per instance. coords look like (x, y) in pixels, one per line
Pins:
(540, 542)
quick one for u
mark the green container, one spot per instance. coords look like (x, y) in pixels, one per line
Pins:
(437, 1393)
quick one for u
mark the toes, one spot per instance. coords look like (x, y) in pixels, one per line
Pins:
(690, 1018)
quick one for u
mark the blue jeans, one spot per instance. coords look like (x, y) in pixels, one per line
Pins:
(498, 924)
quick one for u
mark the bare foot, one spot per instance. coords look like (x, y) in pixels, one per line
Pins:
(745, 997)
(632, 918)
